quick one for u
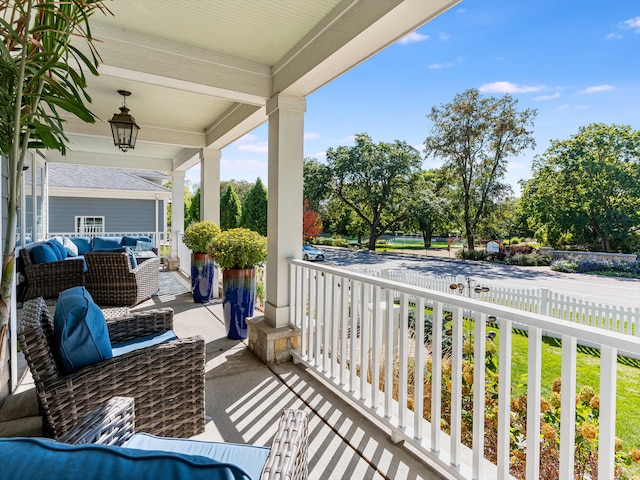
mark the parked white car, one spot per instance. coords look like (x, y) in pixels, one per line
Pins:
(309, 252)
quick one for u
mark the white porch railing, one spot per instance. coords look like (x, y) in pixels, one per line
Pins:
(329, 304)
(536, 300)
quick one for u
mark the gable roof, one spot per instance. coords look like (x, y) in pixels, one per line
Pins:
(65, 176)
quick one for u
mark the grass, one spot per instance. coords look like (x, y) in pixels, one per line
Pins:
(413, 244)
(587, 373)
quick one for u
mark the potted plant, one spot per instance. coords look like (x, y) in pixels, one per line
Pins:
(238, 251)
(197, 237)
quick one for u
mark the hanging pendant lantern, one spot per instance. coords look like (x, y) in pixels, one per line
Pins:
(123, 126)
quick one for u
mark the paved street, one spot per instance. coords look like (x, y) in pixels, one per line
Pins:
(605, 290)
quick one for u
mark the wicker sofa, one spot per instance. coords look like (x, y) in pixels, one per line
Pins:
(166, 380)
(113, 282)
(104, 445)
(47, 279)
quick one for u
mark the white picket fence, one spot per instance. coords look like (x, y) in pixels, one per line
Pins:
(534, 300)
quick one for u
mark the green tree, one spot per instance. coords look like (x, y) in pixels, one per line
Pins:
(41, 74)
(588, 187)
(241, 187)
(230, 209)
(375, 181)
(431, 211)
(475, 136)
(192, 209)
(316, 179)
(254, 209)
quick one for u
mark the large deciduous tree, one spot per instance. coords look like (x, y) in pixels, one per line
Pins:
(431, 211)
(375, 181)
(474, 137)
(41, 74)
(588, 186)
(254, 209)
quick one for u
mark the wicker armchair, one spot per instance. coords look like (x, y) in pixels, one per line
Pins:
(112, 423)
(47, 279)
(112, 282)
(167, 380)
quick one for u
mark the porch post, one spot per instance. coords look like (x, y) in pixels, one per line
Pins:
(284, 226)
(210, 185)
(177, 209)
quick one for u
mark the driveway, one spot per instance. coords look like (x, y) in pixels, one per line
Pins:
(605, 290)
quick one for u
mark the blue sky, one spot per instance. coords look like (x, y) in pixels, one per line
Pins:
(576, 62)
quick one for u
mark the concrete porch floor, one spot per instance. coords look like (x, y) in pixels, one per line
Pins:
(244, 399)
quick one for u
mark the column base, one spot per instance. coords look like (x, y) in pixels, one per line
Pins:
(271, 344)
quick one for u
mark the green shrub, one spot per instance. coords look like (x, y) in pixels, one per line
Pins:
(514, 241)
(471, 254)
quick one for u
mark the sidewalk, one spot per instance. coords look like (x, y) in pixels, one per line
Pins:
(244, 399)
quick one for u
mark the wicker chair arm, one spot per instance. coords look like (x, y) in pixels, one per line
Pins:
(168, 370)
(288, 456)
(49, 279)
(112, 423)
(139, 324)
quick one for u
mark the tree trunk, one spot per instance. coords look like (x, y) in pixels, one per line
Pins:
(373, 236)
(426, 238)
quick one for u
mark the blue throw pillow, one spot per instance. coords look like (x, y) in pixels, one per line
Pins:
(43, 253)
(106, 243)
(129, 241)
(83, 244)
(132, 257)
(58, 248)
(80, 332)
(143, 246)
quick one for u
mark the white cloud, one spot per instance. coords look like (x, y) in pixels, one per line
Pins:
(571, 108)
(444, 36)
(597, 88)
(413, 37)
(451, 64)
(633, 24)
(248, 170)
(542, 98)
(250, 143)
(613, 36)
(508, 87)
(311, 136)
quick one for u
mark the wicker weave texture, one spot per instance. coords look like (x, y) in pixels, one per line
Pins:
(112, 423)
(48, 279)
(288, 456)
(166, 380)
(113, 283)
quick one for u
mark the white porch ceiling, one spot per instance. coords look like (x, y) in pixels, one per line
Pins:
(200, 71)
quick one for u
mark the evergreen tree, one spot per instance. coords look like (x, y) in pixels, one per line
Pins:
(230, 209)
(254, 209)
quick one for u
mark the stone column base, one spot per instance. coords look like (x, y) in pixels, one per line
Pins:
(172, 264)
(270, 344)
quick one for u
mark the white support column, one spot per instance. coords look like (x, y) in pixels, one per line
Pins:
(210, 185)
(284, 228)
(177, 209)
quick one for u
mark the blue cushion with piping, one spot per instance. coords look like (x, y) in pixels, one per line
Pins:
(43, 253)
(80, 334)
(252, 458)
(105, 243)
(61, 253)
(83, 244)
(143, 246)
(143, 342)
(44, 459)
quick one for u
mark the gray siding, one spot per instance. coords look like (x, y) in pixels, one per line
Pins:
(120, 215)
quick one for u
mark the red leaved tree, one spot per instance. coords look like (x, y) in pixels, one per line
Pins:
(311, 223)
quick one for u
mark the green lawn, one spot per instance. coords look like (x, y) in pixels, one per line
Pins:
(588, 373)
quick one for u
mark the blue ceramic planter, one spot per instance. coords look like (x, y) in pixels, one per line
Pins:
(202, 270)
(239, 290)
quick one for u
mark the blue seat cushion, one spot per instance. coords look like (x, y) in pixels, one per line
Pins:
(43, 459)
(133, 241)
(43, 253)
(251, 458)
(57, 246)
(142, 342)
(106, 243)
(80, 333)
(83, 244)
